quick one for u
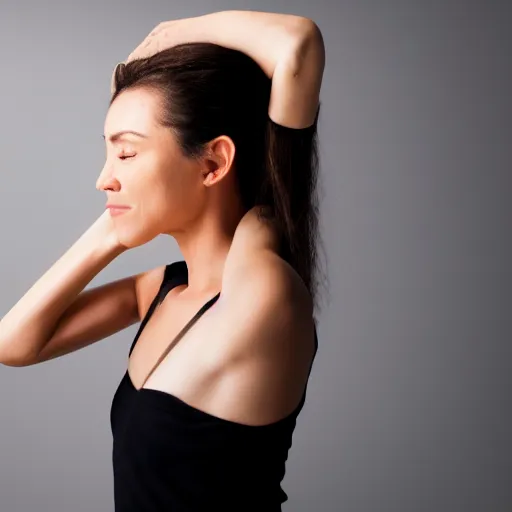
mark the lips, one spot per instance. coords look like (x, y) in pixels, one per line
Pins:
(117, 211)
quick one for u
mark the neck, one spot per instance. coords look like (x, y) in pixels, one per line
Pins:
(205, 247)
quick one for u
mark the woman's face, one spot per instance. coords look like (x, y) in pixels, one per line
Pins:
(147, 172)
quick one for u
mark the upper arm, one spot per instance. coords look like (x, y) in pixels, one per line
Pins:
(297, 79)
(101, 311)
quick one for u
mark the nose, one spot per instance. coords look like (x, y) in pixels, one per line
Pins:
(107, 180)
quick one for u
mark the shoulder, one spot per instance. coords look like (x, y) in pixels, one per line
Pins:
(256, 276)
(271, 344)
(270, 299)
(265, 278)
(147, 284)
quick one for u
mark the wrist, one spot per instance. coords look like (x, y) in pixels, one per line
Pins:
(101, 237)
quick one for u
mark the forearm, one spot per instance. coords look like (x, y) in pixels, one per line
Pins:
(288, 48)
(268, 38)
(29, 324)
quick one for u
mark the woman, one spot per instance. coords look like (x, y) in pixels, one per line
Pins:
(211, 138)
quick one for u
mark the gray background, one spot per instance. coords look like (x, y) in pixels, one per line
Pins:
(408, 405)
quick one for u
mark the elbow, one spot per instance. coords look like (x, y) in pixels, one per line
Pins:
(307, 48)
(14, 363)
(314, 42)
(309, 32)
(15, 360)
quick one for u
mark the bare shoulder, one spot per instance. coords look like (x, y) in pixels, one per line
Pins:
(264, 278)
(255, 275)
(147, 284)
(271, 343)
(273, 308)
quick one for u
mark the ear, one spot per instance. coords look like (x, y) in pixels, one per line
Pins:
(219, 159)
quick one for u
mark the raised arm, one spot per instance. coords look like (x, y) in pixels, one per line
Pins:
(289, 49)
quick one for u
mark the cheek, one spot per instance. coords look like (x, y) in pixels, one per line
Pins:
(166, 189)
(159, 200)
(182, 183)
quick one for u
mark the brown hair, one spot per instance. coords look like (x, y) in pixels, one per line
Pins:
(209, 90)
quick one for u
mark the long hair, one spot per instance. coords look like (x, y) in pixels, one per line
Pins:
(208, 90)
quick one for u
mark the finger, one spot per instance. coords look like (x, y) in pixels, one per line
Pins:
(143, 50)
(158, 28)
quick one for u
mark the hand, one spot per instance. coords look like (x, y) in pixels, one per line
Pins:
(121, 235)
(165, 35)
(103, 232)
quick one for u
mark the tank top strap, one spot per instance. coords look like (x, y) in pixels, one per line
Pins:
(175, 274)
(183, 331)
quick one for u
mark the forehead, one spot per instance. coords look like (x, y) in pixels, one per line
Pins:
(133, 109)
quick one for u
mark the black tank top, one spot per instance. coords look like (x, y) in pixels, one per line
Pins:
(169, 456)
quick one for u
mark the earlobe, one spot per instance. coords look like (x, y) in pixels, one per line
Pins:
(208, 177)
(215, 174)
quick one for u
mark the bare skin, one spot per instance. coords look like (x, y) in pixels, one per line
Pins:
(247, 358)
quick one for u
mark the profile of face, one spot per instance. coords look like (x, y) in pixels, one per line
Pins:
(148, 172)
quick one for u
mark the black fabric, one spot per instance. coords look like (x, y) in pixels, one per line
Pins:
(171, 457)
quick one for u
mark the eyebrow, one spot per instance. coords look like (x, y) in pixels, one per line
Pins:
(115, 136)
